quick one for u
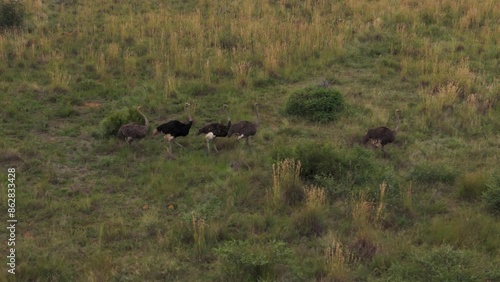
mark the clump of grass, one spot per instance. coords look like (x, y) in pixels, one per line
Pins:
(491, 198)
(198, 225)
(310, 219)
(286, 182)
(364, 246)
(318, 104)
(252, 261)
(337, 259)
(472, 185)
(381, 204)
(315, 196)
(362, 211)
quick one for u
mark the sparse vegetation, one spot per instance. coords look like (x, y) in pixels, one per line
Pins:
(306, 201)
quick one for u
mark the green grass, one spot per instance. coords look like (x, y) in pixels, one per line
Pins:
(92, 208)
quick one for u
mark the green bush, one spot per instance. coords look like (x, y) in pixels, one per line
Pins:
(491, 198)
(249, 261)
(110, 125)
(318, 104)
(12, 14)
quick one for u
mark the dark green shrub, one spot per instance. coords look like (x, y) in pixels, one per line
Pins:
(110, 125)
(318, 104)
(430, 173)
(491, 198)
(249, 261)
(12, 14)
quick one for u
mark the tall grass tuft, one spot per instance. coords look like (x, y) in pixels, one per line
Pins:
(362, 211)
(287, 186)
(198, 225)
(315, 196)
(338, 258)
(381, 204)
(310, 219)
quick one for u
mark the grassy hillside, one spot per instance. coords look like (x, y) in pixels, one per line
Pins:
(306, 201)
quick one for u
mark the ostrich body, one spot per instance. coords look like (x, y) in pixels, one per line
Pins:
(245, 129)
(175, 128)
(133, 131)
(383, 135)
(215, 129)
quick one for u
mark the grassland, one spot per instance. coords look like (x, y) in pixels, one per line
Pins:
(306, 202)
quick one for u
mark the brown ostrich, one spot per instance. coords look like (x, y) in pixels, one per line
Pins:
(245, 129)
(133, 131)
(382, 135)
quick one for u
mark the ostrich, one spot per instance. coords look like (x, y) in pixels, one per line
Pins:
(131, 131)
(175, 128)
(215, 129)
(245, 129)
(382, 135)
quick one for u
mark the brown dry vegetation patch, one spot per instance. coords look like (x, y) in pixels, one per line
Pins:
(92, 105)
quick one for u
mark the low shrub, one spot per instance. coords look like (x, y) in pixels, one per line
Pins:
(250, 261)
(318, 104)
(111, 124)
(12, 14)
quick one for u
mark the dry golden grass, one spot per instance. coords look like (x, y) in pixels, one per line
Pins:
(315, 196)
(286, 179)
(338, 258)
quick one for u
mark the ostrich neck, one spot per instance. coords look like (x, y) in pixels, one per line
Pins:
(397, 123)
(228, 117)
(190, 118)
(258, 115)
(146, 121)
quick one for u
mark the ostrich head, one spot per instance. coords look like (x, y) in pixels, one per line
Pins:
(186, 108)
(398, 117)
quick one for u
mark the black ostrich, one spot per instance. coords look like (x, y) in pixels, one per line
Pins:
(133, 131)
(245, 129)
(175, 128)
(383, 135)
(215, 129)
